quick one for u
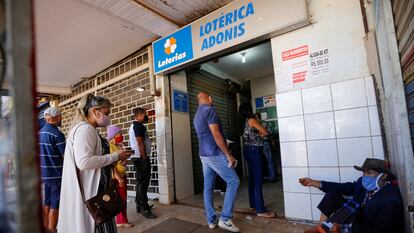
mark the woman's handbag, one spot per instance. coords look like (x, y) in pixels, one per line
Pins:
(104, 206)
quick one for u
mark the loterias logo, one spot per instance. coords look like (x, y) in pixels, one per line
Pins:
(173, 50)
(170, 45)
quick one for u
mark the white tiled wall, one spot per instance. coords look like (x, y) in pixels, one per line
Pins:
(349, 94)
(317, 99)
(291, 129)
(294, 154)
(301, 201)
(321, 153)
(352, 122)
(352, 151)
(290, 104)
(378, 147)
(319, 126)
(325, 131)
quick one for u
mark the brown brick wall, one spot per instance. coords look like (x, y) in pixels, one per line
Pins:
(124, 97)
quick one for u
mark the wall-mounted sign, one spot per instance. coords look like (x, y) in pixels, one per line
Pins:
(180, 101)
(235, 23)
(300, 65)
(265, 101)
(173, 49)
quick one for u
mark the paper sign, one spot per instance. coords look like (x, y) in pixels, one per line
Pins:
(299, 65)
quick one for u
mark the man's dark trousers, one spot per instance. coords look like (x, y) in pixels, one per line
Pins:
(143, 176)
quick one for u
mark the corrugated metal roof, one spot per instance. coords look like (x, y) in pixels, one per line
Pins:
(186, 11)
(78, 38)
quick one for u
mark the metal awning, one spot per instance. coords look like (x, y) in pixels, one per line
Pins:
(75, 39)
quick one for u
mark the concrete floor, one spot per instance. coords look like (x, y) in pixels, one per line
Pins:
(196, 215)
(272, 194)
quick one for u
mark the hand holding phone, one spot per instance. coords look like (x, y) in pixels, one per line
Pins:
(124, 154)
(129, 149)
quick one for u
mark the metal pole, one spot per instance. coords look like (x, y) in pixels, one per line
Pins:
(21, 71)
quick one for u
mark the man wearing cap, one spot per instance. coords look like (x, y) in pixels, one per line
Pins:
(381, 204)
(52, 148)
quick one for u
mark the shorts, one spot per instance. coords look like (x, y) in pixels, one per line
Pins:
(51, 195)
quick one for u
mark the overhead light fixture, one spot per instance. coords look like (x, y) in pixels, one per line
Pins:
(243, 57)
(140, 89)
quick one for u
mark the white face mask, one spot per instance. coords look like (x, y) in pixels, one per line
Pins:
(103, 120)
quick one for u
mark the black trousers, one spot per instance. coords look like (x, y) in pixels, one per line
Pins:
(143, 176)
(331, 203)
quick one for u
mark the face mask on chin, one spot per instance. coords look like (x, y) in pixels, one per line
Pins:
(103, 120)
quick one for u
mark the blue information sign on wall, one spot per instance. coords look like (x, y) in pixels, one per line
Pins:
(173, 49)
(180, 101)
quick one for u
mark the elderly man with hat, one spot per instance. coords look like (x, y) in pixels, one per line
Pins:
(379, 202)
(52, 148)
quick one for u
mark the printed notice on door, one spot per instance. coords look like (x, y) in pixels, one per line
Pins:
(294, 68)
(319, 62)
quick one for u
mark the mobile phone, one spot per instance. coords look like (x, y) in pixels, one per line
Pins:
(128, 148)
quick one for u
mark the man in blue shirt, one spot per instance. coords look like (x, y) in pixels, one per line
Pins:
(216, 160)
(381, 206)
(52, 148)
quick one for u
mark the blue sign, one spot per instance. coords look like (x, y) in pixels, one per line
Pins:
(173, 49)
(180, 101)
(259, 102)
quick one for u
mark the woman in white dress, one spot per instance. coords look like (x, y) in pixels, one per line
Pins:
(89, 152)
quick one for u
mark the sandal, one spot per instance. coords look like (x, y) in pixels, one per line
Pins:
(267, 215)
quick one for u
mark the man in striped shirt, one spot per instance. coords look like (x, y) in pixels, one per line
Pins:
(52, 148)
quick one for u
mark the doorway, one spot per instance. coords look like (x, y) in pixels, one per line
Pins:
(243, 76)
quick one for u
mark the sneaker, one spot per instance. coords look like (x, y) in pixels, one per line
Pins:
(228, 225)
(213, 225)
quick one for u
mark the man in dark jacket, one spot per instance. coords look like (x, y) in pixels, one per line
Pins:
(381, 204)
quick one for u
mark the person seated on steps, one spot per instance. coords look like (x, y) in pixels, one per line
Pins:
(379, 200)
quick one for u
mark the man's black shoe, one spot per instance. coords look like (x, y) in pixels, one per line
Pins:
(149, 214)
(139, 208)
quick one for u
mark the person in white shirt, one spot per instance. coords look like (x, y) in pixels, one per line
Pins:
(141, 144)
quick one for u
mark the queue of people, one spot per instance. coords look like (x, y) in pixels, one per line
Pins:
(86, 165)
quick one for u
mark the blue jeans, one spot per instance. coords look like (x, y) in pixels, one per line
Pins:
(213, 166)
(253, 155)
(267, 151)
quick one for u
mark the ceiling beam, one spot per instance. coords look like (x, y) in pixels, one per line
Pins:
(56, 90)
(158, 12)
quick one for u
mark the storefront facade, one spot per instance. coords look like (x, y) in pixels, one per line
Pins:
(330, 97)
(119, 83)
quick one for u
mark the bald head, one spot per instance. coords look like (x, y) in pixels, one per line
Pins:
(204, 98)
